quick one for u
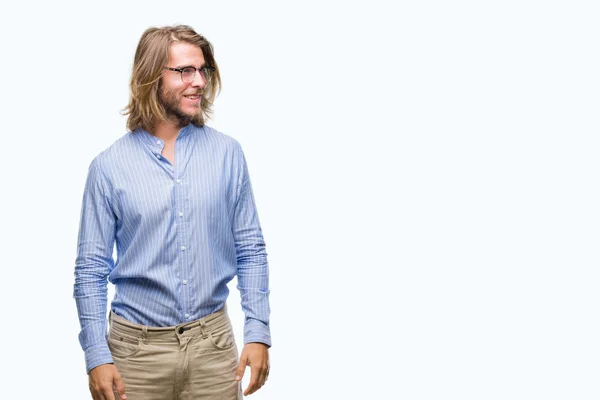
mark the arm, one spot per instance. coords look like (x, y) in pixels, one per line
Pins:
(253, 283)
(94, 262)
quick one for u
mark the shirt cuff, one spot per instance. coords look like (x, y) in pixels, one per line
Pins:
(97, 355)
(256, 331)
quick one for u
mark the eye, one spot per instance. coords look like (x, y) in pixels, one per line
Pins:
(188, 70)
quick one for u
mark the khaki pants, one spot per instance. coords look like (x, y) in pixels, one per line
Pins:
(194, 360)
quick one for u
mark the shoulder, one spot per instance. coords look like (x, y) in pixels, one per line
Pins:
(121, 147)
(221, 138)
(109, 158)
(224, 144)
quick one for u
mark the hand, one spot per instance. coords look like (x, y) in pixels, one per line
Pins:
(102, 379)
(256, 355)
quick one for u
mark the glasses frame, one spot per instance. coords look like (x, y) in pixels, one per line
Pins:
(200, 71)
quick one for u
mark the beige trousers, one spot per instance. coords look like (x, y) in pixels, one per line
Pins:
(194, 360)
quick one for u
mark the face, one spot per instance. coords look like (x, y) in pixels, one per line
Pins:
(180, 99)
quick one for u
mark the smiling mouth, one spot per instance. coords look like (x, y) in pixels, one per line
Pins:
(193, 97)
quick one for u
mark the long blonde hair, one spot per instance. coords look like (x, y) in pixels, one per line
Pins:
(151, 56)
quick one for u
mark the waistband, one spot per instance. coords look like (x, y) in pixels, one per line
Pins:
(200, 326)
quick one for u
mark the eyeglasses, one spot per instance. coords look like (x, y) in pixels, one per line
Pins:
(188, 73)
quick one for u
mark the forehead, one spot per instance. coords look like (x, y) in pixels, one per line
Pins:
(183, 54)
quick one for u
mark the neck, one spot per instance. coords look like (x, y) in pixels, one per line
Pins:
(168, 130)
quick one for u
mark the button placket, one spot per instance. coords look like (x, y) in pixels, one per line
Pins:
(180, 190)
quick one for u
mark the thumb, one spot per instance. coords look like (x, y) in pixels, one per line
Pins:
(239, 373)
(120, 386)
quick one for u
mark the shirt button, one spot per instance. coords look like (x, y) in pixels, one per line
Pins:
(185, 281)
(187, 315)
(180, 214)
(158, 142)
(158, 156)
(178, 180)
(182, 248)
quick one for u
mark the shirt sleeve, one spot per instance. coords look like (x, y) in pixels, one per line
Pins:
(94, 262)
(252, 265)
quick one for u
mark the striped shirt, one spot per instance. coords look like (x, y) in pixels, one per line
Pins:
(182, 232)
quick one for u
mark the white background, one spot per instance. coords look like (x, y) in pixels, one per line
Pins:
(426, 177)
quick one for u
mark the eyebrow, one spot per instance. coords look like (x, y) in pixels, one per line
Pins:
(186, 66)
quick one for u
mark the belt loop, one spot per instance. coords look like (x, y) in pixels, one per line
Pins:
(203, 329)
(145, 334)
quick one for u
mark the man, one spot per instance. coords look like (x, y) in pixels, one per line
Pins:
(175, 195)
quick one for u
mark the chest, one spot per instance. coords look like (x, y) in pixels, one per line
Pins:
(168, 152)
(201, 191)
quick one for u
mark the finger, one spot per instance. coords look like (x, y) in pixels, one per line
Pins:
(98, 394)
(239, 373)
(108, 394)
(264, 374)
(120, 386)
(262, 371)
(253, 385)
(264, 377)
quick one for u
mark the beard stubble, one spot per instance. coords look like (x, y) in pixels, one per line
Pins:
(170, 101)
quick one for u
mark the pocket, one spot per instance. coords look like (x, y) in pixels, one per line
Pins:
(222, 338)
(123, 346)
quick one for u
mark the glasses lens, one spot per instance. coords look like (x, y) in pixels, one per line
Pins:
(206, 73)
(187, 75)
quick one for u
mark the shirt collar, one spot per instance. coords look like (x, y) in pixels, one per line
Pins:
(158, 143)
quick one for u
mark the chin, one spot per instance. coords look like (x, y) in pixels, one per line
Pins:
(192, 115)
(190, 111)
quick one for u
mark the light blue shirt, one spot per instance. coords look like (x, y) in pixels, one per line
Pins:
(182, 232)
